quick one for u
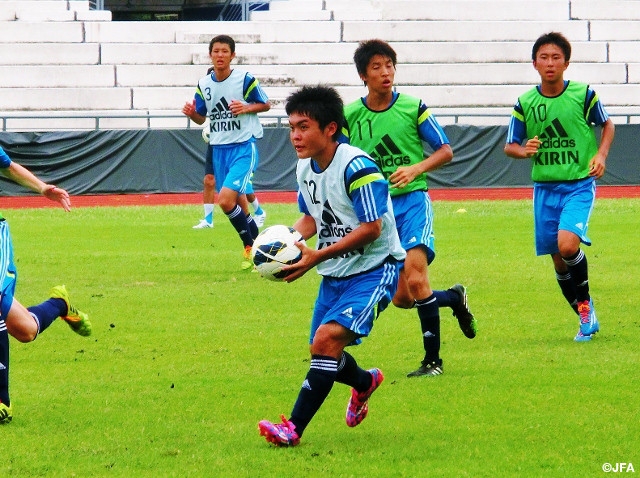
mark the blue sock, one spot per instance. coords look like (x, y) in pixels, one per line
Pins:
(258, 211)
(48, 311)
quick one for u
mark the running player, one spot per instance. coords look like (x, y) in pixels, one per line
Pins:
(231, 99)
(555, 122)
(391, 127)
(345, 201)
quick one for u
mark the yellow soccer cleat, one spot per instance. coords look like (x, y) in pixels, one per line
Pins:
(246, 259)
(6, 414)
(77, 320)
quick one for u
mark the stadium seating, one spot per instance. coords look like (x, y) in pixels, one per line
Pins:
(64, 66)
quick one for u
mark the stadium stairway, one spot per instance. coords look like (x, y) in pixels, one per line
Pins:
(64, 66)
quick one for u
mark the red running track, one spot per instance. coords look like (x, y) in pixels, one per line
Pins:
(458, 194)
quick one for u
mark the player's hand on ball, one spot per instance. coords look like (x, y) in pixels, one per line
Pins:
(307, 262)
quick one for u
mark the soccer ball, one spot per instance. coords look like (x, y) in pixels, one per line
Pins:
(206, 132)
(273, 248)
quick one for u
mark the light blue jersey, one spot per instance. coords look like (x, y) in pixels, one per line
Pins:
(5, 160)
(350, 191)
(358, 286)
(213, 98)
(234, 156)
(8, 273)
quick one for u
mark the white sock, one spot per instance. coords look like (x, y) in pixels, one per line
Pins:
(208, 213)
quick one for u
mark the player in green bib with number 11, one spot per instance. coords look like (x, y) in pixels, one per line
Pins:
(391, 128)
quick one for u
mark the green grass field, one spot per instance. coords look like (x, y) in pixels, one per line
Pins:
(189, 353)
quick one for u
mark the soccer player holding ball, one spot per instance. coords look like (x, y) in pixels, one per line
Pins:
(552, 124)
(391, 127)
(345, 202)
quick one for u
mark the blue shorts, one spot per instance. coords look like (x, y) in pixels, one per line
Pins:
(233, 165)
(208, 169)
(414, 221)
(563, 206)
(249, 188)
(355, 301)
(8, 273)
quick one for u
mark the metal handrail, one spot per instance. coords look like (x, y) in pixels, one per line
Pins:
(277, 120)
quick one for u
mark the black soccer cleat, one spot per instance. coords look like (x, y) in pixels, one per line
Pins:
(466, 320)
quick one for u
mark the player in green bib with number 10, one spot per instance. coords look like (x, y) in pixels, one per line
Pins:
(552, 124)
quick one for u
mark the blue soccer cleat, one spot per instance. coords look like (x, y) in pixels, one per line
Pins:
(580, 337)
(588, 321)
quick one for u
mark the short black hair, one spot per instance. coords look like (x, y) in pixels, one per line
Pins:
(552, 38)
(368, 49)
(226, 39)
(321, 103)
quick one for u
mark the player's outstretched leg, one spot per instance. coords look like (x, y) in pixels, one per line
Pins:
(77, 320)
(466, 320)
(358, 406)
(280, 434)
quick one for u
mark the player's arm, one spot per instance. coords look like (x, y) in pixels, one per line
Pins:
(404, 175)
(597, 163)
(516, 135)
(26, 178)
(362, 235)
(255, 100)
(189, 109)
(597, 115)
(196, 110)
(306, 226)
(429, 130)
(518, 151)
(238, 107)
(368, 192)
